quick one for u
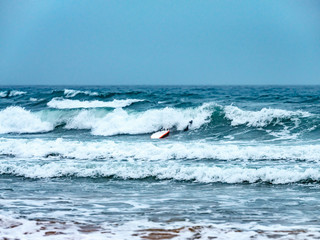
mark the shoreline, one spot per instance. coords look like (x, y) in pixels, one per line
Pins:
(21, 228)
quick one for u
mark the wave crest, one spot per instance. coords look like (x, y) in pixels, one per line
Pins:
(19, 120)
(69, 93)
(120, 121)
(91, 115)
(263, 117)
(11, 93)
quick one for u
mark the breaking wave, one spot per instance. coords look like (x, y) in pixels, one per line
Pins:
(154, 150)
(168, 170)
(120, 121)
(93, 116)
(19, 120)
(263, 117)
(102, 122)
(160, 160)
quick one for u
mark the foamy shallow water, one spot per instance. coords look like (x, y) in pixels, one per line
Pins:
(70, 208)
(78, 163)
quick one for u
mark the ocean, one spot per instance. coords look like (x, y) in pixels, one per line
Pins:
(79, 163)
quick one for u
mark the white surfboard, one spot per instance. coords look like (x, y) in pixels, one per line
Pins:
(160, 134)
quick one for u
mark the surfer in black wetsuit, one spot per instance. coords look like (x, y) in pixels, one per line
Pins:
(189, 125)
(185, 129)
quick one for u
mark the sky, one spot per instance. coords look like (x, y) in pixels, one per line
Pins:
(191, 42)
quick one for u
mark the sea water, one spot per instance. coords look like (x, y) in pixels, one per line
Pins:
(78, 162)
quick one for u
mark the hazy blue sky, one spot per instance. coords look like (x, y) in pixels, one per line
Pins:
(160, 42)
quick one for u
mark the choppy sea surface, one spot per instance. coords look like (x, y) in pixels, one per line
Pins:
(78, 162)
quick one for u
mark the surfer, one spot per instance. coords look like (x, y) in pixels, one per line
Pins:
(185, 129)
(165, 132)
(189, 125)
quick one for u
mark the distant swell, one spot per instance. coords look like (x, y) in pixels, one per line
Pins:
(11, 93)
(72, 104)
(72, 93)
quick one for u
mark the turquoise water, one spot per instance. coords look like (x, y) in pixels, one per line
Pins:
(78, 162)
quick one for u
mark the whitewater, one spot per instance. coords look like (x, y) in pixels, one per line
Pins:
(78, 162)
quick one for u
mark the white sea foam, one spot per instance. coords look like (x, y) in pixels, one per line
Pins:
(19, 120)
(155, 150)
(261, 118)
(69, 93)
(159, 161)
(61, 103)
(122, 122)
